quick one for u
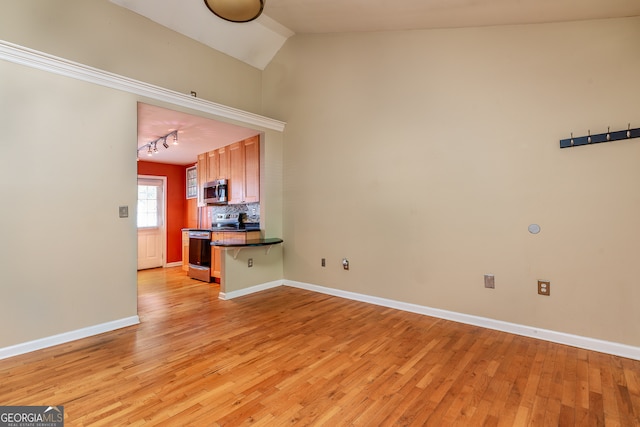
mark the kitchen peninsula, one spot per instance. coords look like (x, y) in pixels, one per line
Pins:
(237, 260)
(227, 244)
(200, 258)
(250, 267)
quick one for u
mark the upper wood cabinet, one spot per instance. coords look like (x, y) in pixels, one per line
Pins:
(201, 168)
(236, 179)
(240, 164)
(244, 181)
(252, 169)
(223, 161)
(213, 165)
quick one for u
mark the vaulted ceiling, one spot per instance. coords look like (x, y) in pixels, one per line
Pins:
(257, 42)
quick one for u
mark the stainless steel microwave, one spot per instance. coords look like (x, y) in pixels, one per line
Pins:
(215, 192)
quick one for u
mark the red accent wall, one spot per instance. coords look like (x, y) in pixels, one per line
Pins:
(176, 203)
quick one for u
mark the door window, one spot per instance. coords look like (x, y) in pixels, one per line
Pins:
(150, 201)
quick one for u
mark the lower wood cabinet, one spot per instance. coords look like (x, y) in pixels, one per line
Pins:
(223, 236)
(228, 237)
(185, 250)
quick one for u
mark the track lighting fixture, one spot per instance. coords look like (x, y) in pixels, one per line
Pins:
(152, 147)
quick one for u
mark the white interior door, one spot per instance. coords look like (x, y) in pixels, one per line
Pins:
(151, 220)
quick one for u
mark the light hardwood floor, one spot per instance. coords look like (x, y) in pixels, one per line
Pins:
(292, 357)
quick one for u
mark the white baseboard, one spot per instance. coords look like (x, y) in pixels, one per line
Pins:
(251, 290)
(65, 337)
(587, 343)
(173, 264)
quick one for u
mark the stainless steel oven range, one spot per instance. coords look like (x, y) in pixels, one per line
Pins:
(200, 255)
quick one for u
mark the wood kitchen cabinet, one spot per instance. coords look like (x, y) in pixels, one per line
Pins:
(252, 169)
(215, 254)
(244, 161)
(185, 251)
(229, 237)
(213, 165)
(223, 162)
(201, 167)
(239, 163)
(236, 179)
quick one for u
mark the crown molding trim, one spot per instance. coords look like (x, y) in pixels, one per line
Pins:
(42, 61)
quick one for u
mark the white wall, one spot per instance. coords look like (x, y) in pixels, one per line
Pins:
(423, 156)
(66, 163)
(238, 277)
(67, 160)
(103, 35)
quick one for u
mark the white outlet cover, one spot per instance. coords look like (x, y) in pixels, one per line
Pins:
(534, 228)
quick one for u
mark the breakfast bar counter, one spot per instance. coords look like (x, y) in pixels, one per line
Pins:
(247, 243)
(237, 246)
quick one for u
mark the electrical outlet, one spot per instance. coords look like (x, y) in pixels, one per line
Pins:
(323, 262)
(345, 263)
(544, 287)
(250, 262)
(489, 281)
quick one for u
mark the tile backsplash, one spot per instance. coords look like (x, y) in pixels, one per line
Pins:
(252, 211)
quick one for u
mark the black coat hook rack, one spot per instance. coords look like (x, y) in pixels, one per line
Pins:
(600, 137)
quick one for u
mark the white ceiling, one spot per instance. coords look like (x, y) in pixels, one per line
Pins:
(257, 42)
(329, 16)
(195, 134)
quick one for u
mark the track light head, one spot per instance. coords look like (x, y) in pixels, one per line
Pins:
(152, 147)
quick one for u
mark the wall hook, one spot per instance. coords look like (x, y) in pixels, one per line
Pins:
(576, 141)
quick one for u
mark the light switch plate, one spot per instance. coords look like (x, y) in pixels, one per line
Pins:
(489, 281)
(123, 211)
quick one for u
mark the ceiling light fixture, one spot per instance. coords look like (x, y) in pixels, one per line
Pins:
(236, 10)
(152, 147)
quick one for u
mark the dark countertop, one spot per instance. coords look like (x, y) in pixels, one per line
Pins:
(248, 243)
(212, 230)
